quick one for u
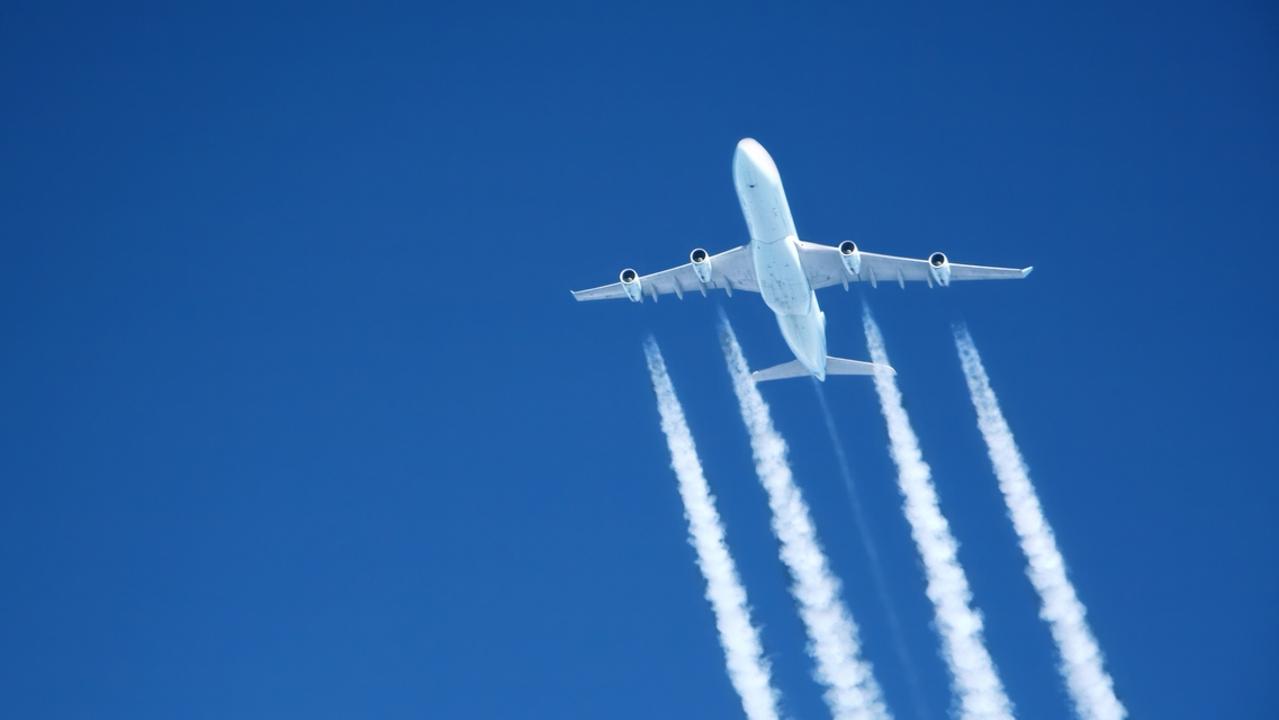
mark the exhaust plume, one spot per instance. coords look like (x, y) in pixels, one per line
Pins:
(978, 691)
(748, 670)
(1091, 689)
(851, 690)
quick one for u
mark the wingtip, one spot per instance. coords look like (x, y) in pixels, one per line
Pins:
(1027, 270)
(575, 295)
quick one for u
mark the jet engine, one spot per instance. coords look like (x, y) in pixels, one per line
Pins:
(701, 265)
(851, 257)
(631, 284)
(939, 266)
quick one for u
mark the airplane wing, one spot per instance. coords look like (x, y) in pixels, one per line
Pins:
(828, 265)
(730, 270)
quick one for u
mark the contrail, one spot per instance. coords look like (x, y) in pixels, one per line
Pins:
(748, 670)
(851, 690)
(872, 557)
(976, 684)
(1091, 689)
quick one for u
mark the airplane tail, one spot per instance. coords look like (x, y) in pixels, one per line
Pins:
(834, 366)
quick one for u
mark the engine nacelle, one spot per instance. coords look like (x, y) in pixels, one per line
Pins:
(631, 284)
(852, 258)
(701, 265)
(939, 266)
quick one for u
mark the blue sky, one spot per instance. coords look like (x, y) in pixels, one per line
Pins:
(299, 419)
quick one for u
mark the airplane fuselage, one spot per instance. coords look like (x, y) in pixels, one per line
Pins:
(774, 247)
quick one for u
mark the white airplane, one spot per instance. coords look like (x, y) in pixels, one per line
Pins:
(786, 271)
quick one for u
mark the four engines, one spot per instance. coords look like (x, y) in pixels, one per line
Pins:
(849, 254)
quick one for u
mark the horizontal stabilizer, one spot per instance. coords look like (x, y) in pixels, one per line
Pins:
(792, 369)
(840, 366)
(834, 366)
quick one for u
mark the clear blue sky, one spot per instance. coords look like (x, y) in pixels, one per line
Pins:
(298, 418)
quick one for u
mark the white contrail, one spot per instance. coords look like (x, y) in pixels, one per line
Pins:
(748, 670)
(978, 690)
(1090, 687)
(851, 690)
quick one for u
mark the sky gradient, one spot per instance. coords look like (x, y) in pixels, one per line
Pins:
(298, 417)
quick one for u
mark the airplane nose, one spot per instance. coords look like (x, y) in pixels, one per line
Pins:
(749, 151)
(752, 157)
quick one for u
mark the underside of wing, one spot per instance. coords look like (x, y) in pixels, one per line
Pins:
(828, 265)
(730, 270)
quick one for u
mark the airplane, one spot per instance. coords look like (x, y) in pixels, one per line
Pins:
(786, 271)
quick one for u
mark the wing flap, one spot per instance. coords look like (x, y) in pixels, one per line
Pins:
(603, 292)
(982, 272)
